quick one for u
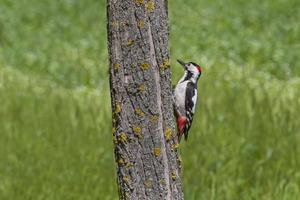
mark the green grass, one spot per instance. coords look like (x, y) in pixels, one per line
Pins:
(55, 124)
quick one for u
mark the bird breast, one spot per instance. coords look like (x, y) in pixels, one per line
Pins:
(180, 96)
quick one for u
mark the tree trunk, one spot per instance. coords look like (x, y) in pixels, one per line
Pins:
(148, 166)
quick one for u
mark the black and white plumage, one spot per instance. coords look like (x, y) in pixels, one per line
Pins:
(185, 97)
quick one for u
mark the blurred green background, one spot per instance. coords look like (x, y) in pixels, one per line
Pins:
(55, 124)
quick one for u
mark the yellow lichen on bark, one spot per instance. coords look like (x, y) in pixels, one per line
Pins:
(114, 24)
(175, 146)
(162, 182)
(179, 159)
(115, 141)
(129, 42)
(122, 138)
(139, 1)
(126, 194)
(166, 64)
(142, 88)
(139, 112)
(121, 162)
(118, 108)
(141, 23)
(157, 151)
(117, 67)
(150, 6)
(130, 164)
(137, 131)
(123, 24)
(114, 130)
(145, 66)
(126, 179)
(173, 175)
(168, 134)
(154, 118)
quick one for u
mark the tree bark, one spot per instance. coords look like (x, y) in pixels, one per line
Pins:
(144, 130)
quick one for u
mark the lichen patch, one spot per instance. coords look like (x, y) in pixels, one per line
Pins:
(139, 2)
(141, 23)
(145, 66)
(166, 64)
(130, 42)
(150, 6)
(154, 118)
(116, 67)
(157, 151)
(122, 138)
(118, 108)
(137, 130)
(139, 112)
(173, 175)
(142, 88)
(168, 134)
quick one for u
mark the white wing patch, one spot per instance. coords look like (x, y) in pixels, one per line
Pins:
(194, 99)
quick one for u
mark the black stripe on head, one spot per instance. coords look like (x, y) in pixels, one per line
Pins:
(188, 76)
(194, 63)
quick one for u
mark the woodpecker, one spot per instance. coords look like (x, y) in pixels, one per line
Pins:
(185, 97)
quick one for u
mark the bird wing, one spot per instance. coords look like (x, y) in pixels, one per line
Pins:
(190, 104)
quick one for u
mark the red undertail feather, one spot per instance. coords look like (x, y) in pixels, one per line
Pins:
(181, 122)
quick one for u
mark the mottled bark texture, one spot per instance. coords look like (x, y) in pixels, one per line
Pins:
(146, 148)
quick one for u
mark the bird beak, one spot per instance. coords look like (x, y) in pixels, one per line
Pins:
(182, 63)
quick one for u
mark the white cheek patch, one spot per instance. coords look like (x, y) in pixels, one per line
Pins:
(193, 69)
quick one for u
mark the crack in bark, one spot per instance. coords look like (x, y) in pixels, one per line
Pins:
(160, 118)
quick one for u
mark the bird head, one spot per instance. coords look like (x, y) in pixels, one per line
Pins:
(191, 67)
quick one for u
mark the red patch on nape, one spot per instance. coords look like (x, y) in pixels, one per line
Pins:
(199, 69)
